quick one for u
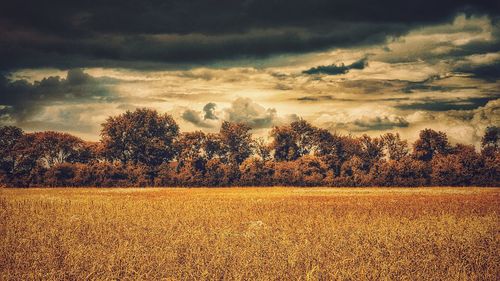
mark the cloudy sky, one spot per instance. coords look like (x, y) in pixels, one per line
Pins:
(350, 66)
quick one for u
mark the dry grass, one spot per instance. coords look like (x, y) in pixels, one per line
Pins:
(243, 233)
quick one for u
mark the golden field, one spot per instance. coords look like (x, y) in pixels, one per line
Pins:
(250, 234)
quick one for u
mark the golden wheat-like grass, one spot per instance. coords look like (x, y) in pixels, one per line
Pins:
(250, 233)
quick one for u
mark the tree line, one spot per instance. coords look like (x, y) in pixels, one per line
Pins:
(145, 148)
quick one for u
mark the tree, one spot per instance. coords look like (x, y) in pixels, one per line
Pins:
(214, 147)
(106, 174)
(406, 171)
(237, 141)
(61, 174)
(334, 150)
(166, 175)
(90, 153)
(56, 148)
(190, 150)
(292, 141)
(285, 173)
(328, 147)
(304, 136)
(429, 144)
(191, 173)
(255, 171)
(139, 137)
(262, 149)
(10, 137)
(490, 173)
(18, 157)
(459, 168)
(352, 172)
(220, 173)
(284, 145)
(191, 158)
(310, 170)
(471, 164)
(394, 146)
(490, 155)
(137, 149)
(371, 151)
(490, 143)
(491, 137)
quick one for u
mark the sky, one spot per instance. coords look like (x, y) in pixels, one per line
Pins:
(352, 67)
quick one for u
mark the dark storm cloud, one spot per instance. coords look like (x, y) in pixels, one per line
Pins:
(435, 51)
(177, 51)
(325, 98)
(173, 16)
(445, 105)
(370, 86)
(20, 99)
(427, 86)
(315, 98)
(145, 34)
(209, 110)
(336, 69)
(488, 72)
(332, 98)
(405, 86)
(375, 123)
(380, 123)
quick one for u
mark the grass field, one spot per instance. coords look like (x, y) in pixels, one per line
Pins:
(250, 233)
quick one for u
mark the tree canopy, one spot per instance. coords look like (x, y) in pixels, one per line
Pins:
(139, 137)
(145, 148)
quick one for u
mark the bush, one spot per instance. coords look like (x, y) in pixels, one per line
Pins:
(105, 174)
(62, 175)
(256, 172)
(310, 171)
(284, 173)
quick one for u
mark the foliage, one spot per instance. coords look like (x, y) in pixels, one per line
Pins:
(430, 144)
(236, 141)
(139, 137)
(144, 148)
